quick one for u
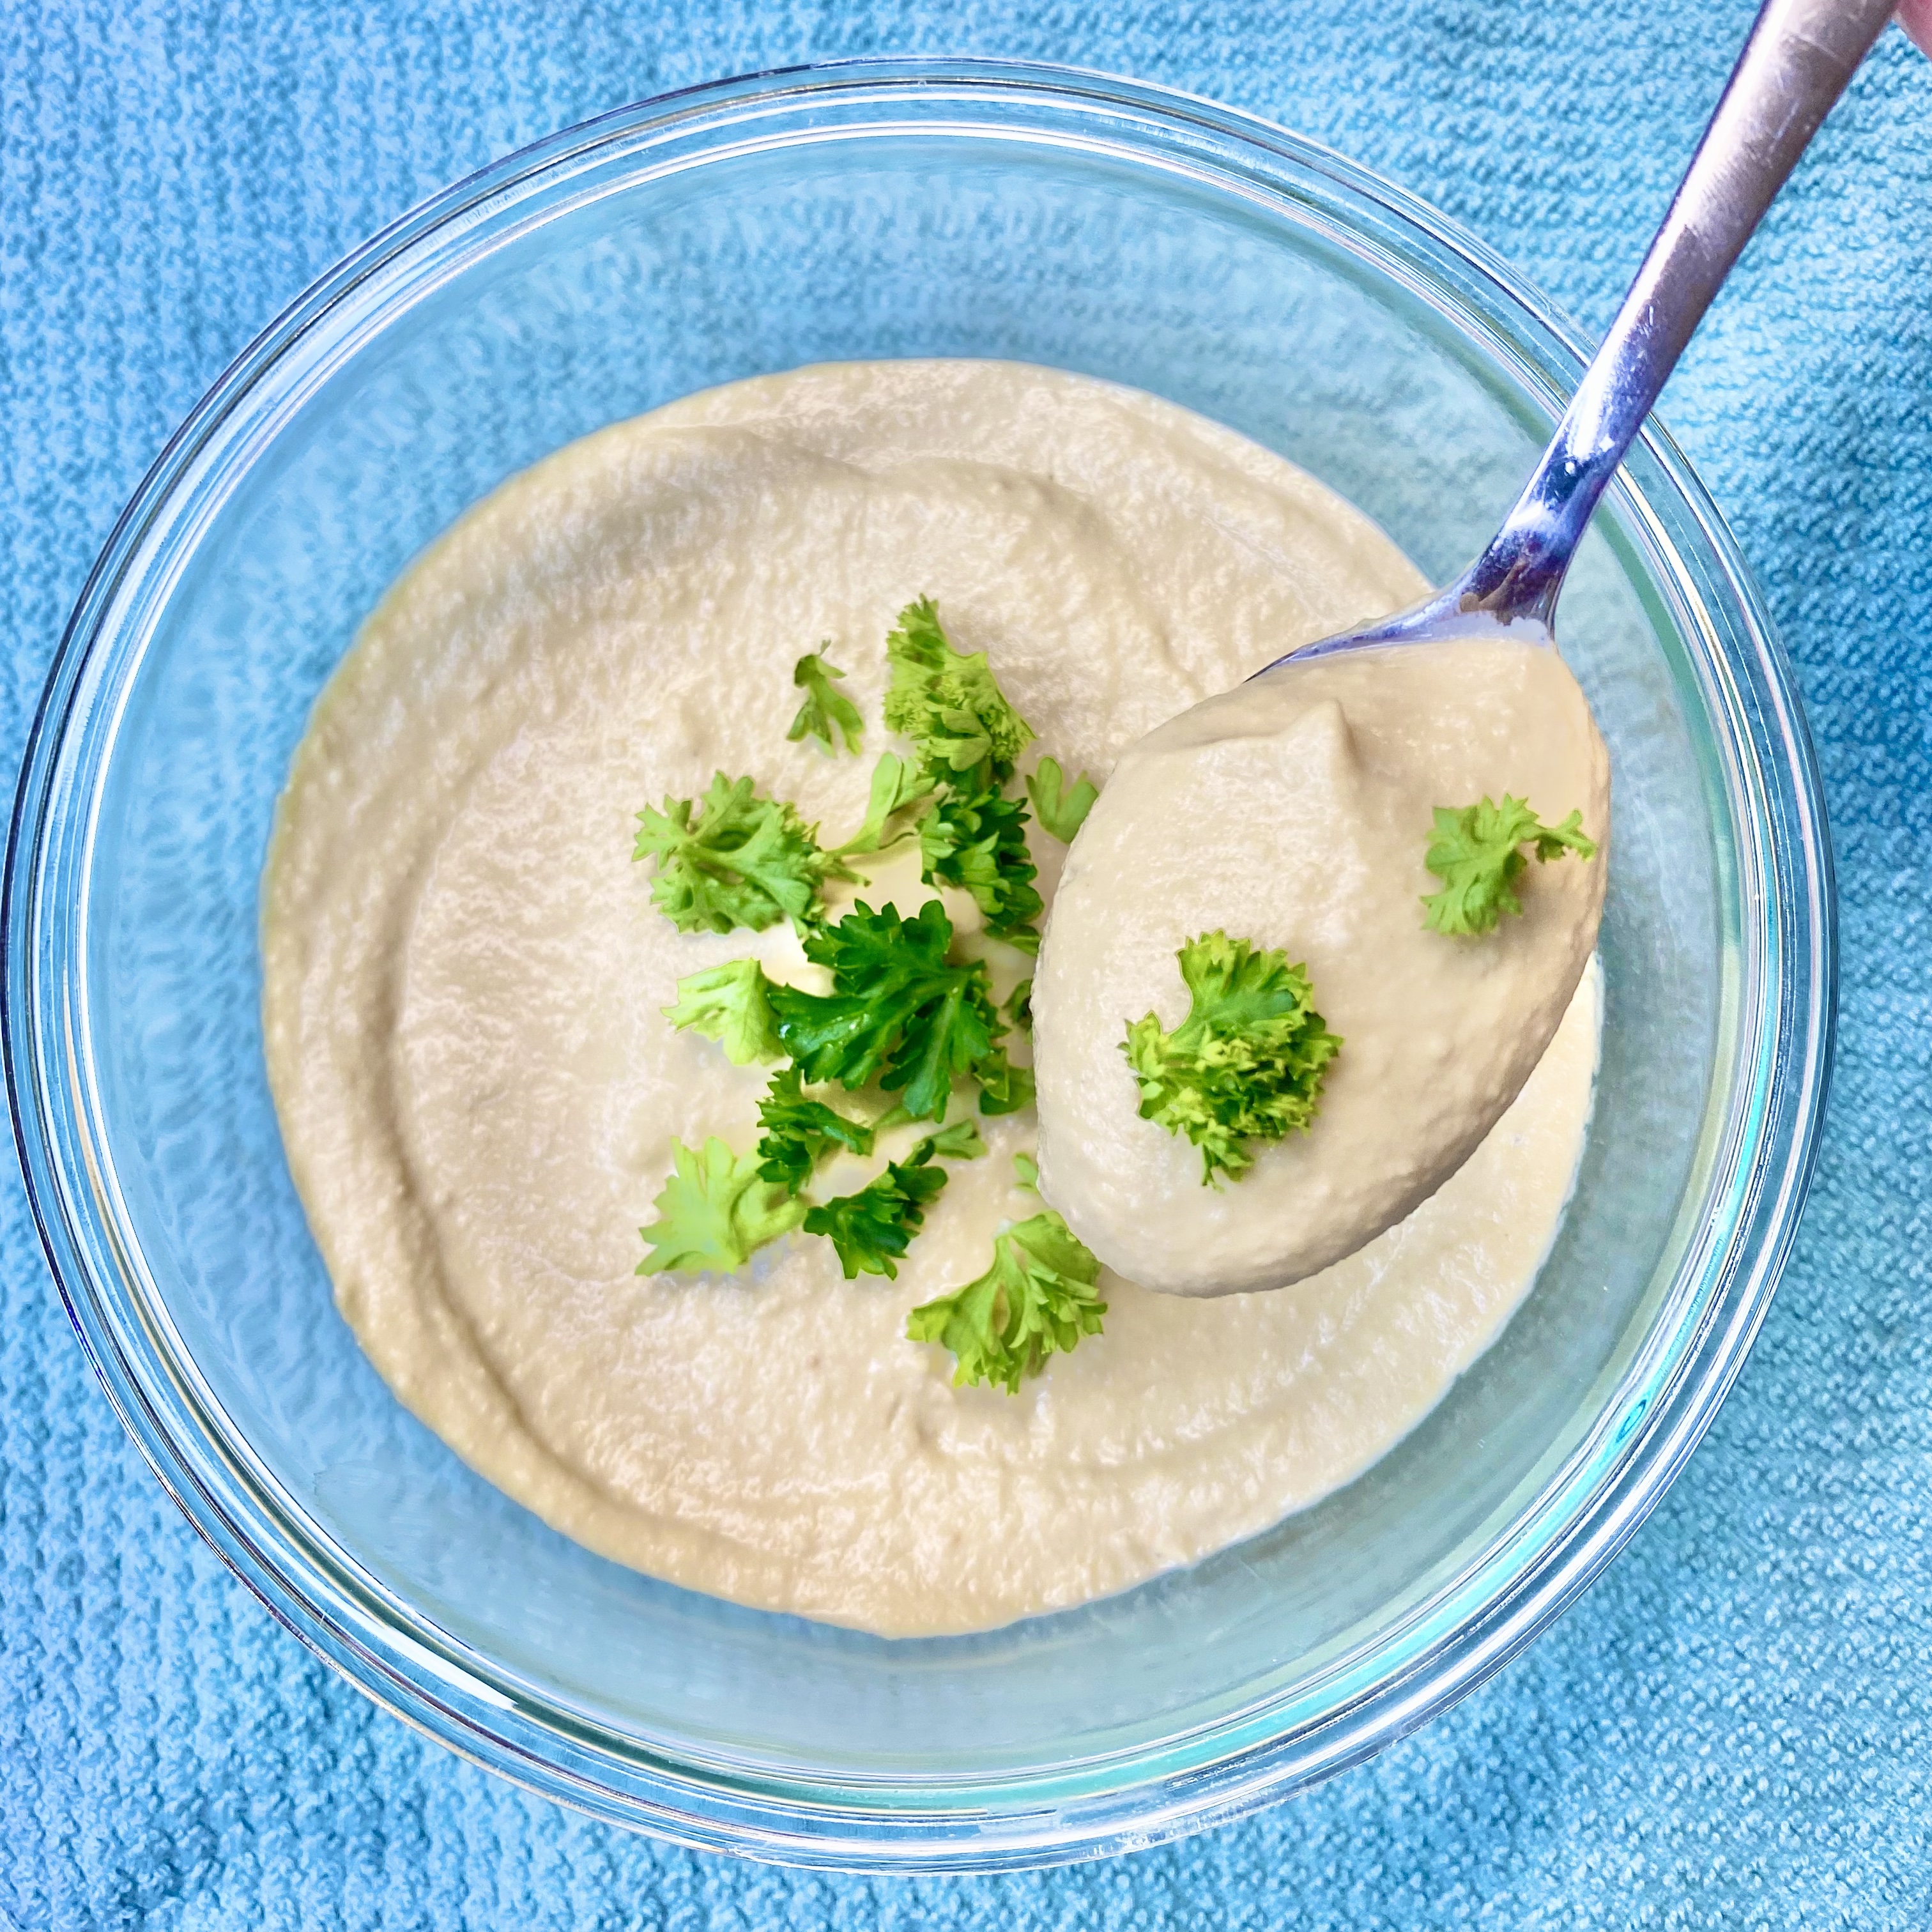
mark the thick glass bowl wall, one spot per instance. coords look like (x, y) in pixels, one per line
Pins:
(888, 209)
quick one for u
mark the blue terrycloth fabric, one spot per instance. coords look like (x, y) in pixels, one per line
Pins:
(1732, 1728)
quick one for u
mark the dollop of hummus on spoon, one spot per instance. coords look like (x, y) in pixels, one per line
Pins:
(1296, 811)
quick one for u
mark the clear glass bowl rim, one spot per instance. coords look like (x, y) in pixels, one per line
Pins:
(1174, 1786)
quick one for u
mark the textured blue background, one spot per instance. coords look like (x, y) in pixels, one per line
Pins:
(1732, 1728)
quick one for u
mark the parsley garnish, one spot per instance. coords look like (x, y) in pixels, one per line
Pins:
(873, 1227)
(1062, 808)
(947, 701)
(1248, 1062)
(899, 1012)
(960, 1141)
(1018, 1008)
(898, 784)
(1004, 1088)
(733, 859)
(728, 1004)
(977, 839)
(715, 1212)
(799, 1132)
(1475, 852)
(824, 711)
(1036, 1300)
(949, 704)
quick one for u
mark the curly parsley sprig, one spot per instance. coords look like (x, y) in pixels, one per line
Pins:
(1061, 807)
(798, 1133)
(967, 735)
(1246, 1064)
(900, 1011)
(715, 1212)
(730, 1004)
(902, 1014)
(899, 787)
(827, 715)
(977, 839)
(947, 701)
(1476, 852)
(1037, 1299)
(732, 859)
(872, 1229)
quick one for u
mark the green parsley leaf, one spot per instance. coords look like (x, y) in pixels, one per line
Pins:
(871, 1229)
(1248, 1062)
(798, 1133)
(1026, 1171)
(960, 1141)
(898, 1011)
(1004, 1088)
(1062, 809)
(978, 840)
(946, 701)
(715, 1212)
(898, 784)
(734, 860)
(1475, 852)
(1553, 841)
(728, 1004)
(1036, 1300)
(824, 710)
(1018, 1008)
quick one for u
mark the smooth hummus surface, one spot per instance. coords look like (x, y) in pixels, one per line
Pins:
(1295, 811)
(464, 976)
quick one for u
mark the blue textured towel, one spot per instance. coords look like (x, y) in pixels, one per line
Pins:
(1732, 1728)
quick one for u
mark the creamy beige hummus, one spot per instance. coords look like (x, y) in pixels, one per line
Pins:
(1295, 811)
(478, 1090)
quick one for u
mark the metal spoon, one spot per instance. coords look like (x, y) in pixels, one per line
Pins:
(1796, 63)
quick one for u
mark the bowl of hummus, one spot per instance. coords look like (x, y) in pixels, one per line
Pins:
(549, 1071)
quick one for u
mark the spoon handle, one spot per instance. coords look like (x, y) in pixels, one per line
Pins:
(1800, 55)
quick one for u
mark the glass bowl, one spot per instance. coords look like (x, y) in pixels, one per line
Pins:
(885, 209)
